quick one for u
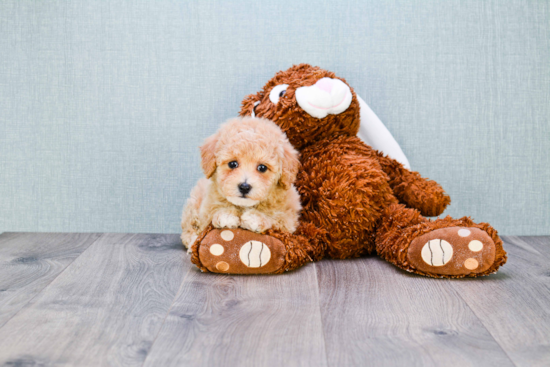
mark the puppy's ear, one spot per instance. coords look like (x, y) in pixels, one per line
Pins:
(208, 155)
(291, 165)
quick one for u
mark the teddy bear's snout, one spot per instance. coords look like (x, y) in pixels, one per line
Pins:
(326, 97)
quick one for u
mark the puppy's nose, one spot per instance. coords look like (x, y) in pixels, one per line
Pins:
(244, 188)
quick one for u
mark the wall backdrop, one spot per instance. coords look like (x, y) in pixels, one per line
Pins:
(103, 104)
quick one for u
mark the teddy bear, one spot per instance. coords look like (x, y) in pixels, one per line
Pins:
(356, 200)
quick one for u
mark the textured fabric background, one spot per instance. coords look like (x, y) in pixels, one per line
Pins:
(103, 104)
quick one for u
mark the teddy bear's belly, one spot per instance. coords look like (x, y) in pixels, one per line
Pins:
(344, 191)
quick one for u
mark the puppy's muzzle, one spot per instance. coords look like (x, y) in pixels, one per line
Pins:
(244, 188)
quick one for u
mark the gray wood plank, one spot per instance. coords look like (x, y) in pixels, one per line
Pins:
(221, 320)
(31, 261)
(106, 308)
(514, 305)
(377, 315)
(539, 243)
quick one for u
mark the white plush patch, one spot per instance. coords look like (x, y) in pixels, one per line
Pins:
(227, 220)
(374, 133)
(246, 202)
(464, 232)
(326, 97)
(475, 246)
(437, 252)
(254, 254)
(227, 235)
(274, 95)
(253, 114)
(216, 249)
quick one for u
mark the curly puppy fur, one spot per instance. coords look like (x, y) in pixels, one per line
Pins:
(363, 201)
(262, 158)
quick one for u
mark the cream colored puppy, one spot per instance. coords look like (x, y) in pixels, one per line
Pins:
(250, 167)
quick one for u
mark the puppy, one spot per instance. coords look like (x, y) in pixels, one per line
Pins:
(250, 167)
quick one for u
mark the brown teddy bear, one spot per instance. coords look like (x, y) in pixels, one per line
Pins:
(356, 201)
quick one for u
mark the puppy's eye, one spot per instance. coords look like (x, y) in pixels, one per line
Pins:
(277, 92)
(262, 168)
(233, 164)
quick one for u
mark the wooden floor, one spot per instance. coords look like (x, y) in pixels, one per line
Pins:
(135, 299)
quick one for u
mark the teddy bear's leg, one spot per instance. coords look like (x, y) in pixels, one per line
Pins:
(414, 190)
(344, 190)
(239, 251)
(451, 248)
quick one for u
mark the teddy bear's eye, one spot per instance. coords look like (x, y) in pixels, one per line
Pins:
(254, 108)
(262, 168)
(233, 164)
(277, 92)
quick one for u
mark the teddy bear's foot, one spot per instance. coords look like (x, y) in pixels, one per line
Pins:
(238, 251)
(453, 251)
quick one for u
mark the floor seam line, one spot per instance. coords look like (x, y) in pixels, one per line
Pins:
(47, 285)
(320, 313)
(484, 326)
(167, 313)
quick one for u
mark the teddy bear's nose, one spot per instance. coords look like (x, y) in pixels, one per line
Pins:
(244, 188)
(326, 97)
(325, 84)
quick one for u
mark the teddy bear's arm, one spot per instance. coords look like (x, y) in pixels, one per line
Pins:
(412, 189)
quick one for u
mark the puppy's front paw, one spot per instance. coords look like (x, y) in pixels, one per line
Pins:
(225, 219)
(255, 222)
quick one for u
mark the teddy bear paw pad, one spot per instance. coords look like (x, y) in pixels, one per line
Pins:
(453, 251)
(239, 251)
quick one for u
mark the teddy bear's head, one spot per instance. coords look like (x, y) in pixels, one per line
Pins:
(308, 103)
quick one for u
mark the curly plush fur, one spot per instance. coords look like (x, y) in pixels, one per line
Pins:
(363, 201)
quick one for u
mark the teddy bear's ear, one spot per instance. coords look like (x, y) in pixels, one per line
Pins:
(374, 133)
(208, 155)
(249, 105)
(290, 166)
